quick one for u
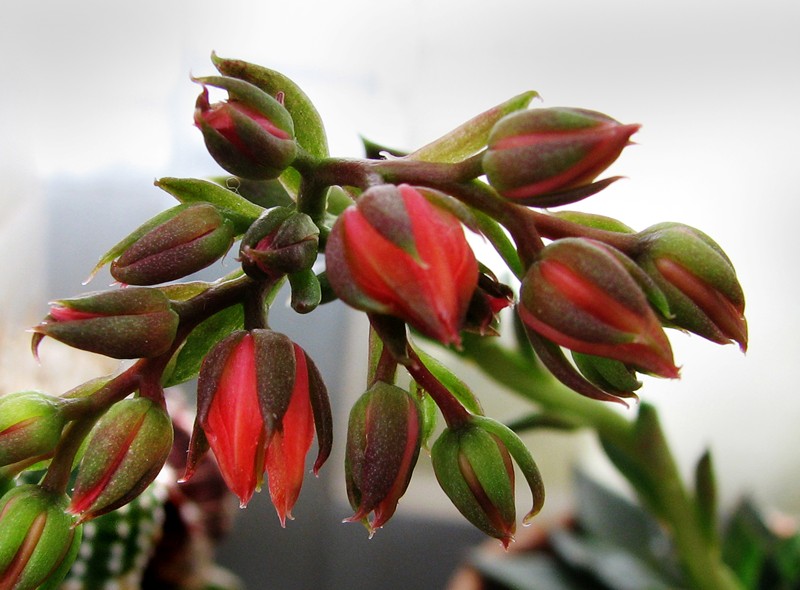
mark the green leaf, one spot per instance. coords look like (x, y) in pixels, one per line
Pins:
(609, 564)
(264, 193)
(607, 515)
(201, 340)
(746, 545)
(500, 241)
(706, 497)
(453, 384)
(535, 571)
(233, 206)
(470, 137)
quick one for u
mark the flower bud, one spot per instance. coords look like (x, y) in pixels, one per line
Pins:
(260, 398)
(187, 238)
(580, 296)
(123, 323)
(698, 281)
(473, 465)
(383, 442)
(282, 241)
(546, 157)
(125, 451)
(395, 253)
(249, 135)
(38, 539)
(30, 426)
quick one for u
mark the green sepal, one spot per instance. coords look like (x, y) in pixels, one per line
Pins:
(451, 382)
(522, 456)
(234, 207)
(593, 221)
(470, 137)
(429, 413)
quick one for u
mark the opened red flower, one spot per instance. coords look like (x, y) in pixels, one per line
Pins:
(395, 253)
(261, 399)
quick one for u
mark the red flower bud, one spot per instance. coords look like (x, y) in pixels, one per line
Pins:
(546, 157)
(251, 134)
(259, 400)
(125, 452)
(122, 323)
(30, 426)
(383, 442)
(180, 241)
(395, 253)
(698, 281)
(38, 539)
(580, 296)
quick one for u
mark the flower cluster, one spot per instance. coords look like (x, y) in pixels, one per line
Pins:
(390, 237)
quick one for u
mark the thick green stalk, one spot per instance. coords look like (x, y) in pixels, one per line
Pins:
(637, 448)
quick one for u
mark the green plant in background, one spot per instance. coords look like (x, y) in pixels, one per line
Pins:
(386, 235)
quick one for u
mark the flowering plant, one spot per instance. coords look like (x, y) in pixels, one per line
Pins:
(585, 300)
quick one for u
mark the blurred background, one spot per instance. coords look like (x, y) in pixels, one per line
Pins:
(96, 103)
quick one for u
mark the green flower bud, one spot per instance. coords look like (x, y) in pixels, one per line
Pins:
(124, 453)
(282, 241)
(473, 465)
(123, 323)
(183, 240)
(38, 539)
(698, 280)
(30, 426)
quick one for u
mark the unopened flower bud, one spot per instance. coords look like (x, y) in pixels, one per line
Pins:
(698, 280)
(282, 241)
(395, 253)
(383, 442)
(473, 464)
(581, 296)
(38, 539)
(125, 451)
(182, 240)
(251, 134)
(122, 323)
(30, 426)
(545, 157)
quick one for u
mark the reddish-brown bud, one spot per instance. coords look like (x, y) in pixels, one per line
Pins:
(383, 442)
(546, 157)
(122, 323)
(249, 135)
(580, 296)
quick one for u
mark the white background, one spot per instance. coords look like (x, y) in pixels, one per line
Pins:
(99, 88)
